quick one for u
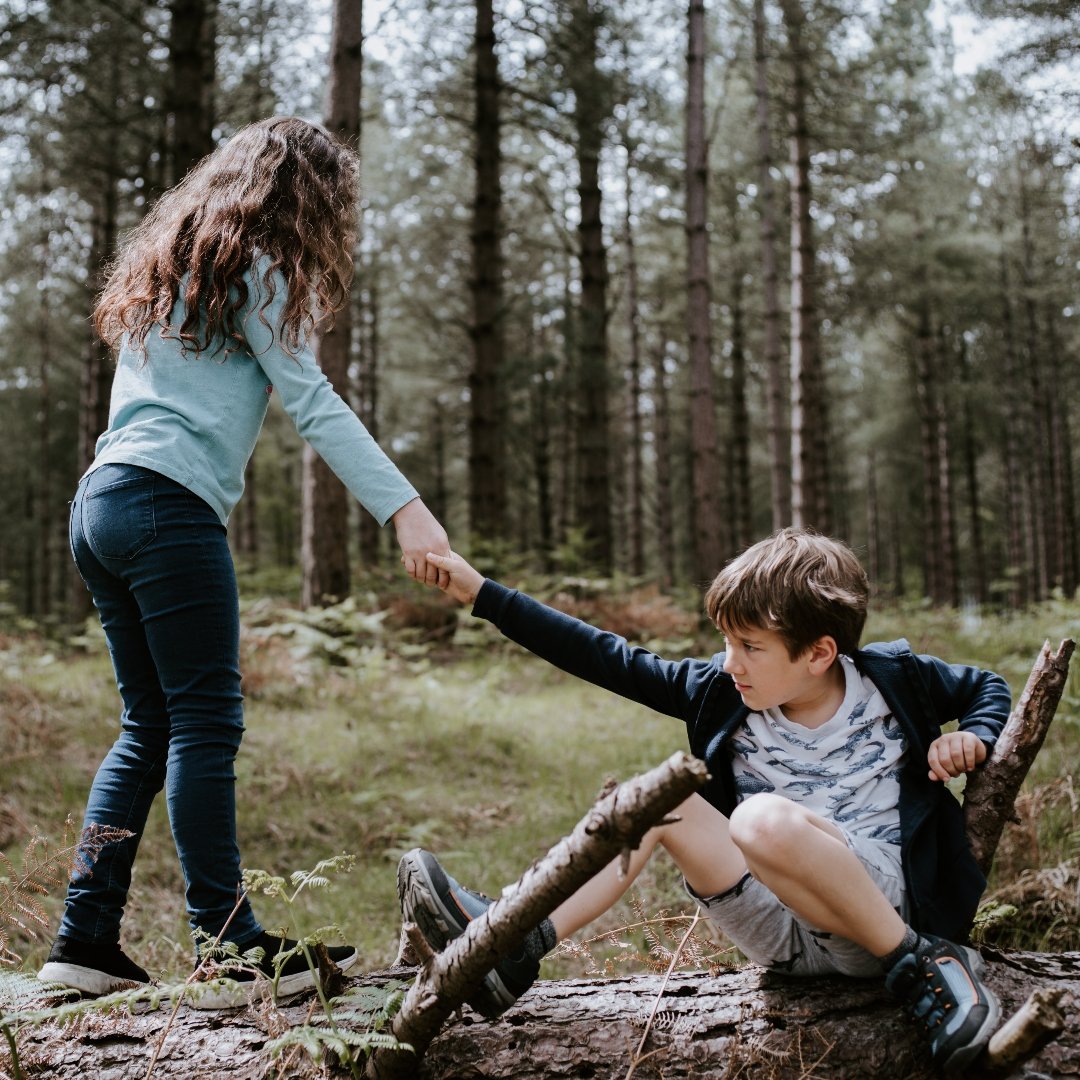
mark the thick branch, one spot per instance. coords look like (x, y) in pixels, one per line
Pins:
(1026, 1033)
(991, 793)
(616, 822)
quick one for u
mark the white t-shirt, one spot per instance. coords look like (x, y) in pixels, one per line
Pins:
(846, 771)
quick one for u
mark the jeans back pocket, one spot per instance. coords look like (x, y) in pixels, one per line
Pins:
(118, 510)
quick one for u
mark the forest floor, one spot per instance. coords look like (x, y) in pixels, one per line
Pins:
(393, 720)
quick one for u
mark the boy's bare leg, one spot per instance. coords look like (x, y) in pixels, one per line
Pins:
(699, 842)
(804, 860)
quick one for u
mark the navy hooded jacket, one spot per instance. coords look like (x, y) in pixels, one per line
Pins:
(944, 883)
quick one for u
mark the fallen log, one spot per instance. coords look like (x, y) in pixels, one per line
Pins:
(739, 1023)
(742, 1023)
(616, 823)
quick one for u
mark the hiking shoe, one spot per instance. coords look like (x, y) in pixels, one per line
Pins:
(442, 908)
(91, 969)
(235, 987)
(939, 985)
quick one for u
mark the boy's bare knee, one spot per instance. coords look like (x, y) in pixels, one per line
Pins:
(764, 823)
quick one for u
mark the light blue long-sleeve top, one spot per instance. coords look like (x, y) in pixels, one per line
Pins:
(196, 417)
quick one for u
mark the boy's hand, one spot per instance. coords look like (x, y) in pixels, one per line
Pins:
(955, 753)
(457, 578)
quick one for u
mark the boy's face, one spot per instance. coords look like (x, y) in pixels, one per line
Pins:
(764, 673)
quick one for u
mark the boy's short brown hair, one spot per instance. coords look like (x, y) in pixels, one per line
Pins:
(798, 583)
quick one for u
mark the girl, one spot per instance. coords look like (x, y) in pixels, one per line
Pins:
(212, 301)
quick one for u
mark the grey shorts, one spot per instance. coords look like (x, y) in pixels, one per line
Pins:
(771, 934)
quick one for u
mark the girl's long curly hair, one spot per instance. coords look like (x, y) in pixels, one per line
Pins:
(283, 190)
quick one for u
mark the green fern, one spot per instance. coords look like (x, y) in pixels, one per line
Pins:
(43, 868)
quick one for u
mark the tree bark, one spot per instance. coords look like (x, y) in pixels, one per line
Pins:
(705, 458)
(636, 473)
(487, 454)
(191, 59)
(1018, 565)
(325, 551)
(738, 1023)
(809, 429)
(367, 394)
(980, 579)
(665, 539)
(590, 97)
(728, 1023)
(617, 822)
(740, 498)
(779, 434)
(990, 793)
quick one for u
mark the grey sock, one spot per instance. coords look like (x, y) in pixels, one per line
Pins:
(540, 940)
(907, 944)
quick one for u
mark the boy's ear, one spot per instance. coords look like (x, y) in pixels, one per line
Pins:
(823, 654)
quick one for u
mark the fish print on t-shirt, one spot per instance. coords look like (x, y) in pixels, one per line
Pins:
(847, 770)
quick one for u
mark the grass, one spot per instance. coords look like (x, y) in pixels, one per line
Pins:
(371, 742)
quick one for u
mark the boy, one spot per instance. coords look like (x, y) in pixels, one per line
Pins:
(825, 840)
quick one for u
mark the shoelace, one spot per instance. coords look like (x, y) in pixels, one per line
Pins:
(923, 1002)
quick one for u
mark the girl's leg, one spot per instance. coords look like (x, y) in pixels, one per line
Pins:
(699, 842)
(157, 562)
(805, 861)
(191, 613)
(133, 771)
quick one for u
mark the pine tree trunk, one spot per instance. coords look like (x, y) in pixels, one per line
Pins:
(1016, 486)
(980, 579)
(776, 382)
(487, 454)
(950, 580)
(1065, 536)
(248, 539)
(874, 566)
(665, 539)
(635, 500)
(926, 395)
(809, 428)
(44, 517)
(706, 476)
(324, 530)
(191, 57)
(541, 453)
(1038, 451)
(740, 419)
(594, 503)
(367, 399)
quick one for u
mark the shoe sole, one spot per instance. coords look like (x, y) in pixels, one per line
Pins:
(962, 1058)
(226, 993)
(85, 979)
(420, 903)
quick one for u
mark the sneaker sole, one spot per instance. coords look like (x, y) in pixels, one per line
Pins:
(962, 1058)
(228, 993)
(420, 901)
(85, 979)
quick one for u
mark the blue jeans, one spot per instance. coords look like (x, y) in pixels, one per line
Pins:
(156, 560)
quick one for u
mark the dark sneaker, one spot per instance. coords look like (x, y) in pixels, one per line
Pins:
(442, 908)
(235, 987)
(939, 986)
(91, 969)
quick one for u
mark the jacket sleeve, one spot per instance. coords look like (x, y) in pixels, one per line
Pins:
(321, 416)
(978, 699)
(602, 658)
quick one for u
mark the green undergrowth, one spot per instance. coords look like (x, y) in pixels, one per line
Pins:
(395, 720)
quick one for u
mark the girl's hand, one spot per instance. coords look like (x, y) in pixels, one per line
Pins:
(462, 580)
(418, 532)
(955, 753)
